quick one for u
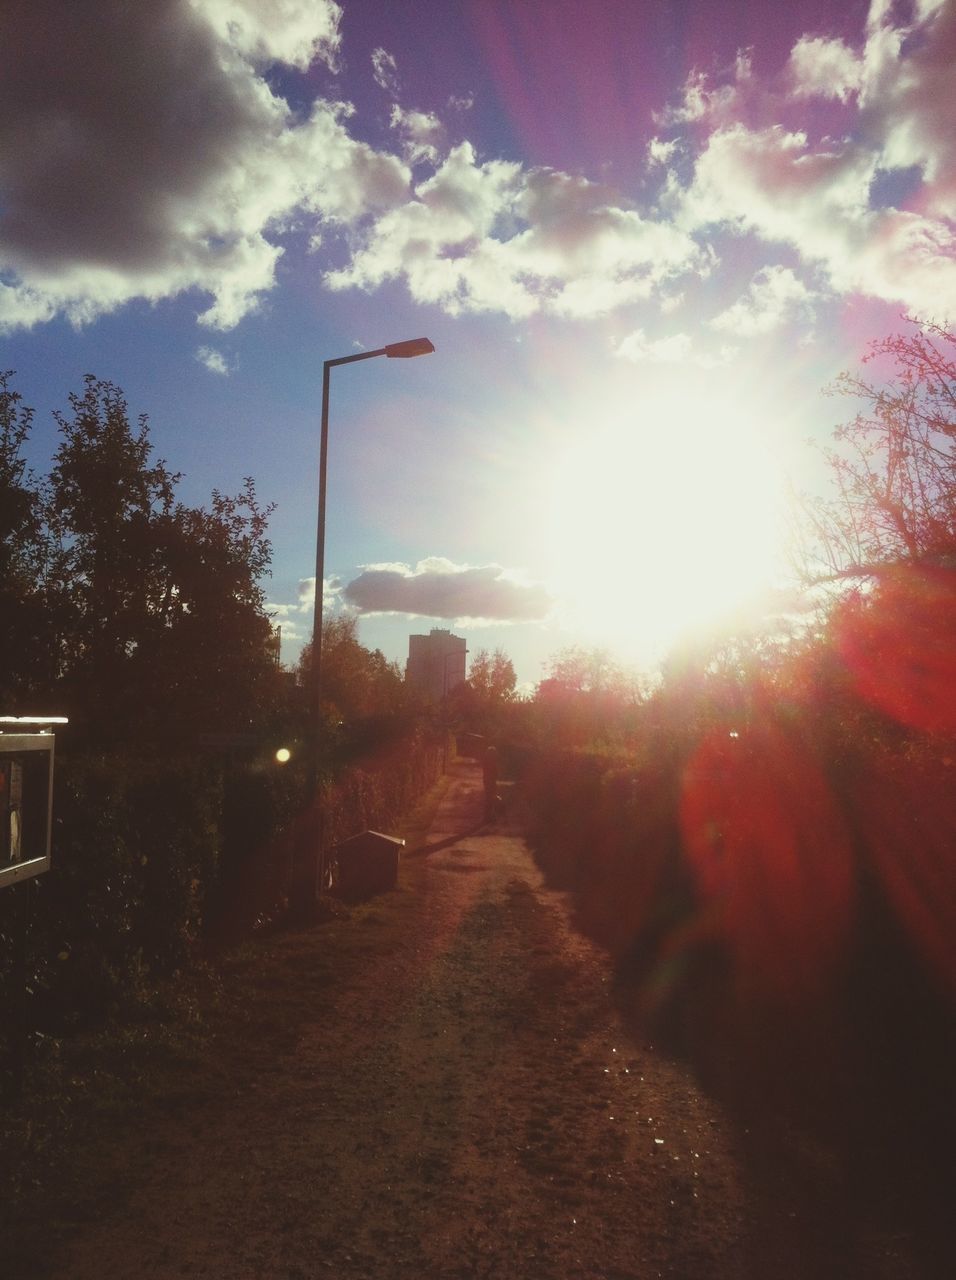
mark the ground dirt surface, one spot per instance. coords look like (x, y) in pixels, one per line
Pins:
(440, 1083)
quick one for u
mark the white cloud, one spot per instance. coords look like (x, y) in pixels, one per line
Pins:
(289, 618)
(385, 70)
(423, 134)
(660, 152)
(638, 348)
(816, 199)
(115, 184)
(438, 588)
(908, 102)
(702, 100)
(824, 68)
(775, 296)
(305, 592)
(497, 237)
(814, 194)
(295, 32)
(214, 360)
(676, 348)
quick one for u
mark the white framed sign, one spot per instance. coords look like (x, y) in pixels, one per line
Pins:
(26, 804)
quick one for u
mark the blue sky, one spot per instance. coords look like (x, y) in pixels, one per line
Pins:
(642, 237)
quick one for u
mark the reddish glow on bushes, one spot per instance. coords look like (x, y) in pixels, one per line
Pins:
(905, 812)
(900, 648)
(771, 859)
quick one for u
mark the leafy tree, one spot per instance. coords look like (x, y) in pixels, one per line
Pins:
(587, 697)
(895, 463)
(105, 506)
(26, 666)
(212, 636)
(361, 689)
(157, 607)
(492, 676)
(593, 672)
(485, 703)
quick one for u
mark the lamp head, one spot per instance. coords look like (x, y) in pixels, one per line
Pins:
(405, 350)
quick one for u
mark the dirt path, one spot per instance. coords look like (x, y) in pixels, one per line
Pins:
(438, 1085)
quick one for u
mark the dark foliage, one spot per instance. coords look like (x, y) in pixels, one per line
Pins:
(143, 620)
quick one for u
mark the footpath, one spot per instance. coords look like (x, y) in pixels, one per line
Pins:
(436, 1084)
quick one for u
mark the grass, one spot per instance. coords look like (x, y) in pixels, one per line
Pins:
(78, 1084)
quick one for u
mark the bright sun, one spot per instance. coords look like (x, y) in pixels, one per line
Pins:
(663, 522)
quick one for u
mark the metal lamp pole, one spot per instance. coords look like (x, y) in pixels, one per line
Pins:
(394, 351)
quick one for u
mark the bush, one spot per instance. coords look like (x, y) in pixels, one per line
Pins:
(135, 849)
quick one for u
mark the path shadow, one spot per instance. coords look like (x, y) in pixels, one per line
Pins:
(422, 849)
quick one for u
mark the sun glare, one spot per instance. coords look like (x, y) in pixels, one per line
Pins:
(663, 522)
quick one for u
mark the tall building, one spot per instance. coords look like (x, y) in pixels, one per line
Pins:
(436, 662)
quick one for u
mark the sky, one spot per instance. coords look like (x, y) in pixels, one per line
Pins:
(643, 236)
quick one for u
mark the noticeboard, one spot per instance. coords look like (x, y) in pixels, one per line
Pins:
(26, 805)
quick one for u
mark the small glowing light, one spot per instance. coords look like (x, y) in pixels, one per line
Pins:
(283, 755)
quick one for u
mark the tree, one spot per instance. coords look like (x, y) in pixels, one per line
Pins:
(895, 463)
(214, 561)
(483, 703)
(492, 676)
(105, 506)
(26, 666)
(159, 613)
(587, 697)
(361, 689)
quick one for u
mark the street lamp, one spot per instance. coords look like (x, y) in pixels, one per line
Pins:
(394, 351)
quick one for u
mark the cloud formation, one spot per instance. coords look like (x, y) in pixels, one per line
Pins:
(774, 297)
(385, 70)
(214, 360)
(816, 194)
(143, 154)
(146, 154)
(494, 236)
(675, 348)
(437, 588)
(422, 132)
(486, 235)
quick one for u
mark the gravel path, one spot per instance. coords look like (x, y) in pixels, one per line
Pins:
(437, 1085)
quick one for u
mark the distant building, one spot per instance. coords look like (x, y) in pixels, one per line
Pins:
(436, 662)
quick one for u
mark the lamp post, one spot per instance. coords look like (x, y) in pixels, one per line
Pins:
(394, 351)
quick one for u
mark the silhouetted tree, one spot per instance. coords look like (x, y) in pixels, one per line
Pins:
(895, 463)
(587, 697)
(492, 676)
(482, 703)
(151, 612)
(26, 653)
(362, 692)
